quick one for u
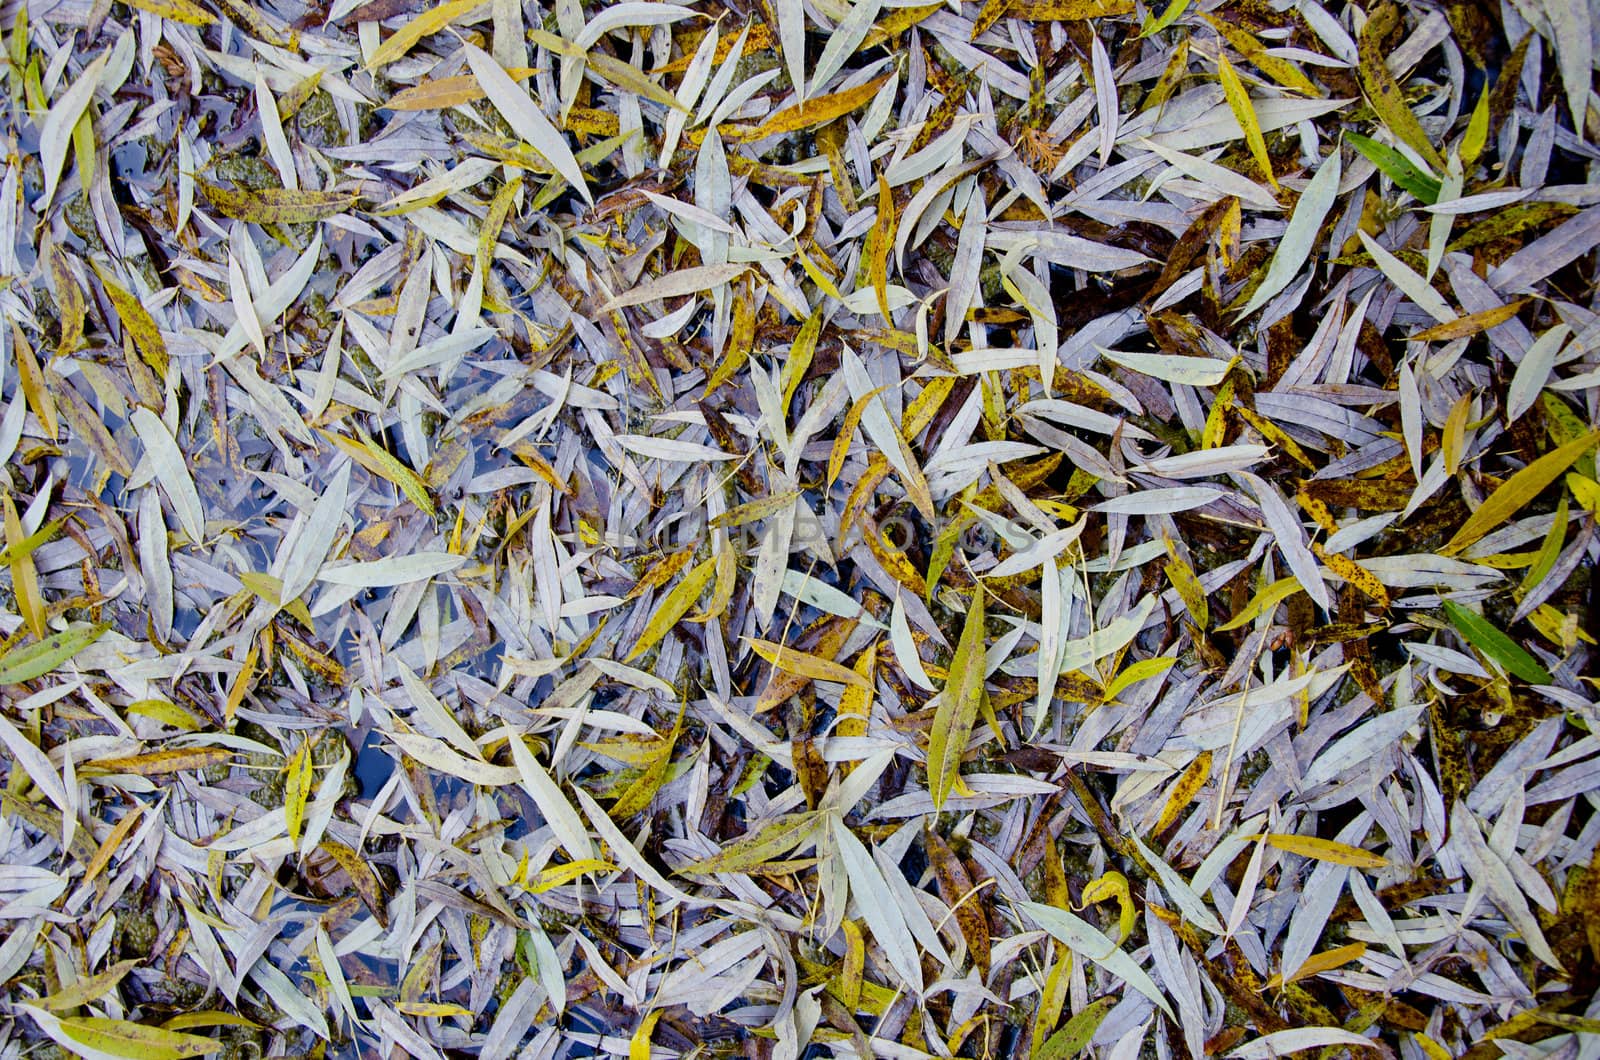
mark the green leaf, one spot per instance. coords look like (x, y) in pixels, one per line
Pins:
(1174, 9)
(1397, 167)
(42, 656)
(1075, 1035)
(958, 707)
(1495, 645)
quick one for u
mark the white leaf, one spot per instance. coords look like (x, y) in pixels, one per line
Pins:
(1160, 501)
(1290, 535)
(1286, 1043)
(316, 537)
(1083, 939)
(1300, 237)
(172, 471)
(392, 570)
(1190, 371)
(1404, 277)
(845, 39)
(882, 912)
(558, 813)
(56, 136)
(525, 118)
(1534, 371)
(677, 284)
(792, 41)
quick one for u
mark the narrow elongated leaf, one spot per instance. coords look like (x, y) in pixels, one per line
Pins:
(28, 661)
(1501, 649)
(958, 707)
(525, 118)
(1515, 492)
(871, 893)
(1083, 939)
(1233, 89)
(172, 472)
(1300, 237)
(137, 1041)
(63, 117)
(674, 606)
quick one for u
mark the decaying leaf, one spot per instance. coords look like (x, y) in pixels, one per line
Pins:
(1052, 526)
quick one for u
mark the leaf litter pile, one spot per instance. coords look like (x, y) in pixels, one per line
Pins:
(1021, 529)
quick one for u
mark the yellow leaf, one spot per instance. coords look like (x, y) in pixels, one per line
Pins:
(1273, 433)
(756, 510)
(1382, 91)
(1184, 791)
(841, 444)
(926, 405)
(241, 684)
(1517, 491)
(639, 794)
(855, 706)
(424, 25)
(1131, 675)
(297, 789)
(816, 111)
(1069, 10)
(958, 707)
(879, 241)
(558, 875)
(1326, 850)
(40, 400)
(135, 1040)
(639, 1046)
(1471, 324)
(1549, 550)
(801, 664)
(158, 763)
(184, 11)
(1282, 71)
(87, 990)
(494, 220)
(1477, 134)
(1430, 1048)
(853, 967)
(1245, 111)
(360, 872)
(741, 338)
(674, 606)
(431, 1009)
(108, 849)
(756, 848)
(1112, 885)
(993, 11)
(273, 206)
(24, 575)
(801, 351)
(385, 464)
(1263, 602)
(1188, 586)
(1584, 490)
(1354, 573)
(437, 93)
(722, 588)
(69, 302)
(207, 1018)
(1558, 627)
(1325, 961)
